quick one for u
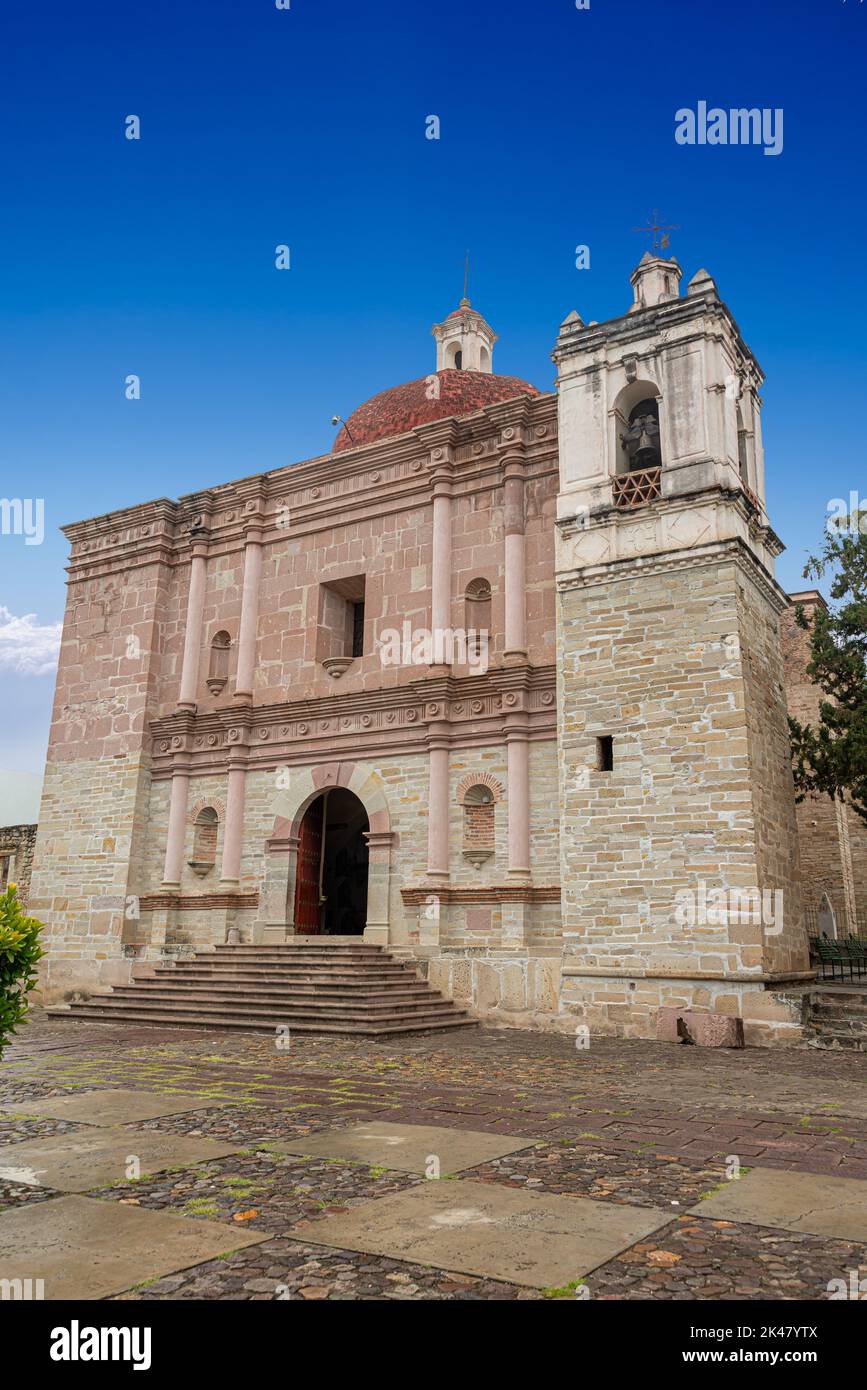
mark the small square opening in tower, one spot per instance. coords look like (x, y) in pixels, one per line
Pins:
(605, 753)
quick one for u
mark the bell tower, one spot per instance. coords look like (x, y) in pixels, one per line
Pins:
(679, 869)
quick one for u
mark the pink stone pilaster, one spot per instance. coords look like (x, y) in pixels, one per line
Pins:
(176, 836)
(438, 807)
(518, 766)
(233, 833)
(193, 629)
(441, 569)
(249, 617)
(515, 567)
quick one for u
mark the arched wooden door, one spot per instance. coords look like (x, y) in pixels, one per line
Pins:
(308, 913)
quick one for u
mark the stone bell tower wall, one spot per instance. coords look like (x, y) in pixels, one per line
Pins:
(679, 856)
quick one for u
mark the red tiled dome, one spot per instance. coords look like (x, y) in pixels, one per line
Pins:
(401, 408)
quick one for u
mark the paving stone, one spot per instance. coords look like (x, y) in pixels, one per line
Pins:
(408, 1148)
(810, 1202)
(92, 1158)
(532, 1239)
(115, 1107)
(624, 1123)
(83, 1248)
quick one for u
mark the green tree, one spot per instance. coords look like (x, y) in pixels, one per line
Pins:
(19, 953)
(830, 757)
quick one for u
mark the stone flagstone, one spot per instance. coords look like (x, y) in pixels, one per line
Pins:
(407, 1148)
(114, 1107)
(87, 1159)
(84, 1249)
(809, 1202)
(534, 1239)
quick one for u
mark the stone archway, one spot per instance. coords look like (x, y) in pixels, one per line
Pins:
(276, 922)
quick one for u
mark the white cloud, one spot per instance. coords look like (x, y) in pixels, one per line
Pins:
(28, 648)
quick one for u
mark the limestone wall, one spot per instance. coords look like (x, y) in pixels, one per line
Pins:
(655, 658)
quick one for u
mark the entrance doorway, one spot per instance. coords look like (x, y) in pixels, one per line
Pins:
(331, 881)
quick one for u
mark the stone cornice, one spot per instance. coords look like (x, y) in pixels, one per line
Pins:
(645, 325)
(419, 894)
(465, 712)
(190, 902)
(732, 550)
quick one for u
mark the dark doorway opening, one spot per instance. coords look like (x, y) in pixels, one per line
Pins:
(331, 882)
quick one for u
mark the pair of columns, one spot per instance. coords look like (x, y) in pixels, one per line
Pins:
(517, 737)
(230, 870)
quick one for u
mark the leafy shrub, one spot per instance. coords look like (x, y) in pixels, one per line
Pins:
(19, 952)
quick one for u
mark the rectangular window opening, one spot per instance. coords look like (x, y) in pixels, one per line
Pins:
(358, 629)
(605, 753)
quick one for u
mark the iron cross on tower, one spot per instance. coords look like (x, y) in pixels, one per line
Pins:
(658, 231)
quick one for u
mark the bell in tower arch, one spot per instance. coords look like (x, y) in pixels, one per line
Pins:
(641, 439)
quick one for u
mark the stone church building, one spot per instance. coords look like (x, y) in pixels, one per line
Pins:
(497, 686)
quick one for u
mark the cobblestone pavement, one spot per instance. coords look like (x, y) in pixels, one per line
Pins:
(623, 1122)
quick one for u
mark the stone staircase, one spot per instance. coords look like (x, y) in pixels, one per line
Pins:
(341, 988)
(837, 1016)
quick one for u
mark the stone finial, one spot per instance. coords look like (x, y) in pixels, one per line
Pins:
(702, 283)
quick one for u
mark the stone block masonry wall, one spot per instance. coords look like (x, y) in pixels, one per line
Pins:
(93, 815)
(17, 843)
(656, 661)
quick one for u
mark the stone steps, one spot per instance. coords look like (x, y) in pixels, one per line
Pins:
(339, 988)
(276, 998)
(216, 1002)
(838, 1018)
(95, 1014)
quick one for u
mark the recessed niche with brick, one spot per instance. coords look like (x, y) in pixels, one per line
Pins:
(340, 623)
(478, 795)
(204, 841)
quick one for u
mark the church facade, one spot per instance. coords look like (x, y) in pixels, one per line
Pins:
(498, 685)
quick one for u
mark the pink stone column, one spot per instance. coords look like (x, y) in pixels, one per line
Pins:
(515, 563)
(233, 831)
(438, 804)
(441, 568)
(249, 617)
(176, 836)
(193, 630)
(518, 766)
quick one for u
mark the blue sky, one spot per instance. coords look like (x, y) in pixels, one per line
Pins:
(306, 127)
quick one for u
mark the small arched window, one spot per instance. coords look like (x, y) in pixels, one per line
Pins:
(218, 670)
(477, 618)
(478, 793)
(204, 841)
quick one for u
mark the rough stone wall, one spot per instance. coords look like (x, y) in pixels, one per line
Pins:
(773, 789)
(650, 660)
(93, 812)
(17, 843)
(825, 858)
